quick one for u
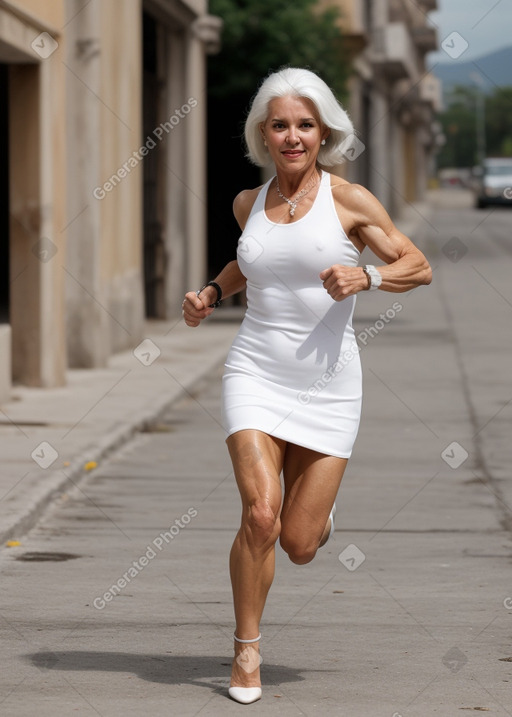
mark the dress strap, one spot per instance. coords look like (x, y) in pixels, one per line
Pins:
(259, 204)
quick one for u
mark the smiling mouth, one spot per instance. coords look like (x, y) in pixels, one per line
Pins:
(293, 152)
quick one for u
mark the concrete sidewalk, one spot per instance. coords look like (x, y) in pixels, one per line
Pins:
(49, 436)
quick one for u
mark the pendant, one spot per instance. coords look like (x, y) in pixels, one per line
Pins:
(293, 206)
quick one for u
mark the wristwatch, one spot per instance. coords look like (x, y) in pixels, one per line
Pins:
(374, 277)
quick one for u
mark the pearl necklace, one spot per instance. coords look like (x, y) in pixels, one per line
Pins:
(293, 202)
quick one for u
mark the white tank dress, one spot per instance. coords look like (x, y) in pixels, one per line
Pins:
(293, 370)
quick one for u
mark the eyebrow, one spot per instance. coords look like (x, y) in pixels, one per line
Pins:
(303, 119)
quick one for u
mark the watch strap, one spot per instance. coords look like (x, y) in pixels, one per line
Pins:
(217, 289)
(374, 277)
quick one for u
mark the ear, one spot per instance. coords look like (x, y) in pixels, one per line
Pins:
(262, 132)
(326, 133)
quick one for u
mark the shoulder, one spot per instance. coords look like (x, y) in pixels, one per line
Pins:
(243, 203)
(349, 193)
(359, 201)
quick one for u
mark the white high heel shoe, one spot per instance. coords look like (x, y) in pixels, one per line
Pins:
(331, 516)
(331, 527)
(245, 695)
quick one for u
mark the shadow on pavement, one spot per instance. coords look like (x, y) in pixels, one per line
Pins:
(212, 671)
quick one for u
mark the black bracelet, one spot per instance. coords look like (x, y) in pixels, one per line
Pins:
(217, 289)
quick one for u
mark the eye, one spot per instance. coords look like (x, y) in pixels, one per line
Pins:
(307, 124)
(277, 125)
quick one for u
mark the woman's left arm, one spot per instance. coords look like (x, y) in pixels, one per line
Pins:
(405, 266)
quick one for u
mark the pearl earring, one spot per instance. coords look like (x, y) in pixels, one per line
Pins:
(323, 141)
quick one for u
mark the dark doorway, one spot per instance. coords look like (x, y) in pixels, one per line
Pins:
(154, 247)
(4, 195)
(229, 172)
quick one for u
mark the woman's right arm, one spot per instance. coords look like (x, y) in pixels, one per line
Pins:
(196, 308)
(231, 280)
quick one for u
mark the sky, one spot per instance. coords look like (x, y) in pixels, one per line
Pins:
(485, 25)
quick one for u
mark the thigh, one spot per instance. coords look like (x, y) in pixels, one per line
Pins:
(257, 460)
(311, 482)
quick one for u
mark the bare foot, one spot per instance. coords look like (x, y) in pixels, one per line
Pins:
(246, 665)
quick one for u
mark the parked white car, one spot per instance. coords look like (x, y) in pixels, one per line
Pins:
(493, 182)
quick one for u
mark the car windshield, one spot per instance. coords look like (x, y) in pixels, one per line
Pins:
(499, 170)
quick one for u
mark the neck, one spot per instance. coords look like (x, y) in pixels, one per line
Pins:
(292, 185)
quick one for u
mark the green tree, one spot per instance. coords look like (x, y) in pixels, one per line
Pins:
(459, 127)
(262, 35)
(459, 122)
(498, 111)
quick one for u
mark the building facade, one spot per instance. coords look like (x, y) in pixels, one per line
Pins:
(102, 191)
(393, 100)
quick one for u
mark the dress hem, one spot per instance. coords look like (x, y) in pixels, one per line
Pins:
(276, 434)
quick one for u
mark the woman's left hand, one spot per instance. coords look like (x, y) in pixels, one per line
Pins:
(342, 281)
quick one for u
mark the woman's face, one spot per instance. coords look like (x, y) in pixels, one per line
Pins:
(293, 132)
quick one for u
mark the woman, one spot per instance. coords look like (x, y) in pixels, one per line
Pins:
(292, 380)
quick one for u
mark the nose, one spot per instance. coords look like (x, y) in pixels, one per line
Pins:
(292, 136)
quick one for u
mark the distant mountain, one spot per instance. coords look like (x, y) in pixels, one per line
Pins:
(494, 69)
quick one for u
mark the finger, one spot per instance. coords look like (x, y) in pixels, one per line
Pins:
(192, 315)
(194, 300)
(326, 273)
(191, 322)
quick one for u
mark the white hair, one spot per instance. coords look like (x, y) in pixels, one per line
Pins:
(298, 82)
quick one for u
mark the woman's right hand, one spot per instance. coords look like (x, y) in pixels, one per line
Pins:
(196, 308)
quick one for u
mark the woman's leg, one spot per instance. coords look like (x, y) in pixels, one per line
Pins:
(257, 462)
(311, 481)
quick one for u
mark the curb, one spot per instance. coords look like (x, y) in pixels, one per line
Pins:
(55, 482)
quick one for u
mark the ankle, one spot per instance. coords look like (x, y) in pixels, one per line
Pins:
(247, 642)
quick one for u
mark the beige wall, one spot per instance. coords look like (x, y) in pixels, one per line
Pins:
(104, 216)
(50, 11)
(37, 210)
(76, 124)
(121, 135)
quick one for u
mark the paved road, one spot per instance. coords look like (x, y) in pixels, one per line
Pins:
(405, 613)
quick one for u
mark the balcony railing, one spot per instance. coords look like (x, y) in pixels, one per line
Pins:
(393, 52)
(425, 38)
(428, 5)
(430, 91)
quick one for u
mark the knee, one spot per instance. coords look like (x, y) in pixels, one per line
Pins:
(261, 523)
(299, 553)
